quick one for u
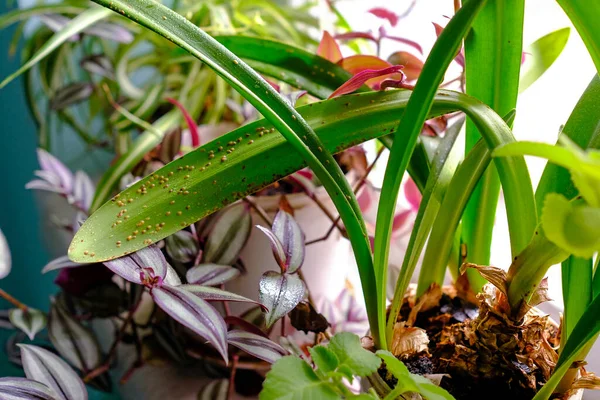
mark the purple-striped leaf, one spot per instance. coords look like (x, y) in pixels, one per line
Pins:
(182, 246)
(98, 64)
(215, 390)
(258, 346)
(211, 274)
(55, 176)
(228, 235)
(71, 94)
(47, 368)
(359, 79)
(139, 267)
(191, 311)
(172, 278)
(30, 321)
(25, 389)
(5, 259)
(280, 293)
(83, 191)
(60, 263)
(73, 341)
(213, 294)
(276, 246)
(287, 230)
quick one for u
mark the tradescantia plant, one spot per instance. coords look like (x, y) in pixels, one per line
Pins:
(503, 339)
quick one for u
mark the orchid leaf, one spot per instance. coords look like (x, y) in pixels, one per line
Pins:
(78, 24)
(30, 321)
(291, 237)
(22, 388)
(47, 368)
(291, 378)
(258, 346)
(5, 259)
(584, 15)
(540, 55)
(23, 14)
(75, 342)
(228, 235)
(213, 294)
(211, 274)
(280, 293)
(191, 311)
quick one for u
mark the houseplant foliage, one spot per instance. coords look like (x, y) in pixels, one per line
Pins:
(503, 342)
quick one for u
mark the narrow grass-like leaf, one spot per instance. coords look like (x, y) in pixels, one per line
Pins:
(256, 345)
(75, 342)
(280, 293)
(30, 321)
(23, 14)
(457, 195)
(541, 54)
(584, 15)
(493, 51)
(76, 25)
(228, 235)
(193, 312)
(22, 389)
(577, 278)
(211, 274)
(445, 162)
(411, 124)
(47, 368)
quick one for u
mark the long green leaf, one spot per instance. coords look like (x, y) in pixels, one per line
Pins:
(492, 60)
(269, 103)
(23, 14)
(431, 77)
(541, 54)
(584, 15)
(75, 26)
(445, 162)
(577, 291)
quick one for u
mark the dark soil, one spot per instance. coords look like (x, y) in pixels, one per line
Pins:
(453, 315)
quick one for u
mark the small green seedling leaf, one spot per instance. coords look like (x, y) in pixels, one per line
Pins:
(292, 378)
(30, 321)
(352, 356)
(325, 360)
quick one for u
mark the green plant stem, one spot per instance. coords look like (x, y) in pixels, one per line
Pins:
(492, 64)
(431, 77)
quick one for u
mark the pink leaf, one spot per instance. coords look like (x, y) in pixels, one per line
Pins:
(329, 49)
(412, 65)
(412, 194)
(189, 120)
(400, 220)
(355, 35)
(384, 13)
(408, 42)
(359, 79)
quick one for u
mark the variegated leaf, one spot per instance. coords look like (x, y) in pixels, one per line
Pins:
(292, 240)
(30, 321)
(130, 267)
(47, 368)
(228, 236)
(276, 246)
(215, 390)
(191, 311)
(211, 274)
(24, 389)
(213, 294)
(182, 246)
(280, 293)
(60, 263)
(71, 94)
(75, 342)
(98, 64)
(256, 345)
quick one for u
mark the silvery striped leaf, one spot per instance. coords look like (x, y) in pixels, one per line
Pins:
(182, 246)
(47, 368)
(280, 293)
(60, 263)
(215, 390)
(276, 247)
(213, 294)
(83, 190)
(30, 321)
(71, 94)
(211, 274)
(131, 266)
(98, 64)
(193, 312)
(291, 237)
(24, 389)
(71, 339)
(228, 235)
(256, 345)
(5, 259)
